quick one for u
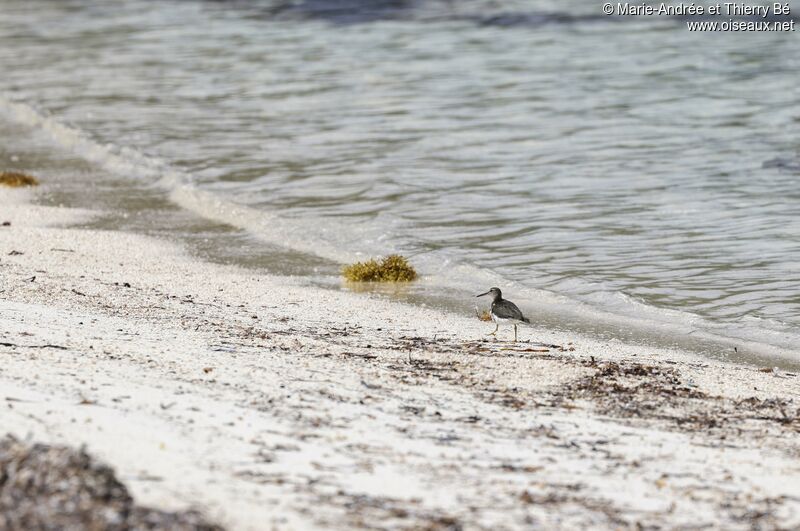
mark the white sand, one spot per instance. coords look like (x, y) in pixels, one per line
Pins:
(269, 404)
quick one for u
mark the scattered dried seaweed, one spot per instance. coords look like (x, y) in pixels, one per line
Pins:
(53, 487)
(15, 345)
(363, 511)
(777, 410)
(569, 494)
(629, 389)
(393, 268)
(633, 389)
(15, 179)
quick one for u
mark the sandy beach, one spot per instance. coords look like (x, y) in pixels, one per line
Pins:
(265, 403)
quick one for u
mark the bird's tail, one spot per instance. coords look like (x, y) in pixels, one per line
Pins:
(525, 319)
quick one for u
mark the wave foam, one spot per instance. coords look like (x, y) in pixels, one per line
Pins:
(122, 161)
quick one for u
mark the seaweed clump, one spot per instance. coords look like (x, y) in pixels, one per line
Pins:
(393, 268)
(15, 179)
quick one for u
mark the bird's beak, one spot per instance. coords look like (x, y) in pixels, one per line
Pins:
(482, 294)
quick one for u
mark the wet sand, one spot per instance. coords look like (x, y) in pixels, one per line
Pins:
(266, 403)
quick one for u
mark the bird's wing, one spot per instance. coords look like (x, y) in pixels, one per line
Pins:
(507, 310)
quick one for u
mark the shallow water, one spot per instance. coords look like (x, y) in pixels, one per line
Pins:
(625, 176)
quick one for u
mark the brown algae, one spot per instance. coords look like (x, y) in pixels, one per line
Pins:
(393, 268)
(15, 179)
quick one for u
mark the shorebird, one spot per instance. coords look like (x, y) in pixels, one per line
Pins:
(504, 311)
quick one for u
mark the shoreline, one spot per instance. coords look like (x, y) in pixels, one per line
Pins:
(267, 403)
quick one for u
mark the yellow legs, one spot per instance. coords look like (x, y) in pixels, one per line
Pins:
(497, 327)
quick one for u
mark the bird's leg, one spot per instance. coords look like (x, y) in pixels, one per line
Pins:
(515, 333)
(495, 331)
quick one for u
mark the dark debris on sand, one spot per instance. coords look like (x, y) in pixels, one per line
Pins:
(59, 488)
(630, 389)
(622, 389)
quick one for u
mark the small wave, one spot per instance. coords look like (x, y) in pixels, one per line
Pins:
(344, 11)
(124, 161)
(333, 241)
(783, 163)
(338, 242)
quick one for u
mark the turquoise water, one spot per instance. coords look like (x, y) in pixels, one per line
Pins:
(622, 175)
